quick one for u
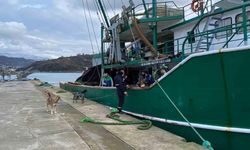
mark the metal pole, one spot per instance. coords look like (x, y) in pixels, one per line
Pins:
(102, 55)
(102, 50)
(154, 16)
(102, 35)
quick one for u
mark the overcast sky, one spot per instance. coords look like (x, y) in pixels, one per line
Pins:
(50, 28)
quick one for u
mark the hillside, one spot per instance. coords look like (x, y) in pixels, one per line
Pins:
(62, 64)
(15, 62)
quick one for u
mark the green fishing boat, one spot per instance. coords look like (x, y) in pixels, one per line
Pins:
(204, 49)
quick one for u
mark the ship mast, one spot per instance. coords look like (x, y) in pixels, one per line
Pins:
(154, 23)
(103, 12)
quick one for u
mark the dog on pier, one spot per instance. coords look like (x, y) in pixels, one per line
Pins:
(79, 96)
(52, 102)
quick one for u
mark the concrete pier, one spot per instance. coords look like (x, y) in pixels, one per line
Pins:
(25, 124)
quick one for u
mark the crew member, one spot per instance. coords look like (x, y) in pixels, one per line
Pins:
(121, 87)
(148, 79)
(107, 80)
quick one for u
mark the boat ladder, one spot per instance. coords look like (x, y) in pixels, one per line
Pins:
(205, 41)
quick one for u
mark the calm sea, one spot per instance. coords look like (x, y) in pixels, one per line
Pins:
(55, 78)
(12, 77)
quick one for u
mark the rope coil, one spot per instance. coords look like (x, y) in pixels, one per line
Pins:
(143, 124)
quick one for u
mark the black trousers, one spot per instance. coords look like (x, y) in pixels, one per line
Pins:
(121, 96)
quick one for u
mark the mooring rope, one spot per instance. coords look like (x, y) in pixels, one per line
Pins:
(206, 144)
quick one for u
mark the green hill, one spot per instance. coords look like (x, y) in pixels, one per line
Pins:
(62, 64)
(14, 62)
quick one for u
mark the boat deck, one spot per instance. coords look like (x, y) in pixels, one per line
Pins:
(25, 124)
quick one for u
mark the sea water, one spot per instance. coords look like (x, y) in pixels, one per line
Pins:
(55, 78)
(12, 77)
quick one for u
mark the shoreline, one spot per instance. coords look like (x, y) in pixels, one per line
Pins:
(59, 72)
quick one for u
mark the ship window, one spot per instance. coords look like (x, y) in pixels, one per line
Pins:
(239, 19)
(226, 23)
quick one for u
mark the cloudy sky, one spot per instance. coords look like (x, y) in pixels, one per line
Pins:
(50, 28)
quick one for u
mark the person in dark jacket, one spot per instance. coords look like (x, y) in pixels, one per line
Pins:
(148, 79)
(121, 87)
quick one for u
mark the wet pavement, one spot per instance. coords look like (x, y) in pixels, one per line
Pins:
(25, 124)
(95, 135)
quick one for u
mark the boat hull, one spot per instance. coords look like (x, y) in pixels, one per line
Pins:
(211, 89)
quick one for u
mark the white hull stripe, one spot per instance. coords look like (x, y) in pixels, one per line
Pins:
(196, 125)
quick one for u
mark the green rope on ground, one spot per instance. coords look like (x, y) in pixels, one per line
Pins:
(87, 119)
(114, 110)
(143, 124)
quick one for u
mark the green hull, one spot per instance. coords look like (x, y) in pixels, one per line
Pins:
(211, 89)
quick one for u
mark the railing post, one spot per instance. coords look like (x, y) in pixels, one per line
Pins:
(227, 36)
(207, 42)
(244, 23)
(184, 13)
(191, 45)
(178, 48)
(183, 50)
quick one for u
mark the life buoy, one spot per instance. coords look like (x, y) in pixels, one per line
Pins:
(197, 5)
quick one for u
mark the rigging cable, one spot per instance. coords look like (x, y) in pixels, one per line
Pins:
(84, 12)
(105, 8)
(86, 20)
(98, 12)
(113, 9)
(91, 21)
(114, 6)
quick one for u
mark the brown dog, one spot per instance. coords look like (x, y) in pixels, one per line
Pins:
(52, 101)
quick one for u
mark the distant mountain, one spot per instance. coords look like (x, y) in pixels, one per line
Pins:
(15, 62)
(25, 56)
(62, 64)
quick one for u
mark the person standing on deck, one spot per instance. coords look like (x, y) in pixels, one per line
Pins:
(106, 81)
(121, 87)
(149, 80)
